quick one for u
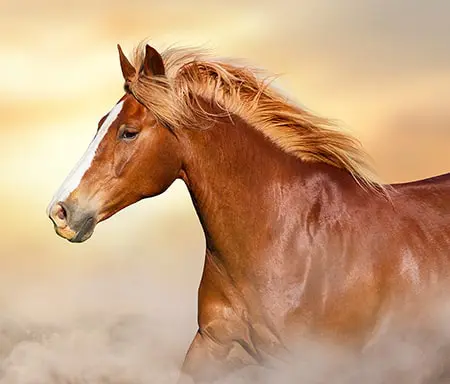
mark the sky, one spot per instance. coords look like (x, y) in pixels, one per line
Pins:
(382, 68)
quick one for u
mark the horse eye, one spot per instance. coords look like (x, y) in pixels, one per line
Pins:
(128, 134)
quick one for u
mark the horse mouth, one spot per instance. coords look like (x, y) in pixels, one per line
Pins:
(80, 234)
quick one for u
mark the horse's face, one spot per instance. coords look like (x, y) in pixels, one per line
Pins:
(131, 157)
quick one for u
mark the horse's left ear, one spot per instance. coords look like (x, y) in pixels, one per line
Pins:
(153, 62)
(128, 70)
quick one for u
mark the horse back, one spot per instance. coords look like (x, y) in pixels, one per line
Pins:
(427, 198)
(420, 225)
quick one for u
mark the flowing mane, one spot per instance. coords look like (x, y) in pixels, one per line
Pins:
(192, 75)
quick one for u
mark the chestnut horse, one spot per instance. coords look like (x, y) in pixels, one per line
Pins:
(300, 236)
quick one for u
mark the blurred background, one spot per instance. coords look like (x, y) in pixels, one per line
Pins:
(381, 67)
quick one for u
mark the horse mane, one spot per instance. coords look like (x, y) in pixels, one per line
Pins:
(192, 76)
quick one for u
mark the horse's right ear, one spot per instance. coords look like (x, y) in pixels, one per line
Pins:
(153, 62)
(128, 70)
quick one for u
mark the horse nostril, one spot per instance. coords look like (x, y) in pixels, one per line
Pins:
(61, 213)
(58, 215)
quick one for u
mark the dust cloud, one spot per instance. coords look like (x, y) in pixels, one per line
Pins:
(103, 327)
(120, 326)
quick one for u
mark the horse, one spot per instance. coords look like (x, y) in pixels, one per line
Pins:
(300, 235)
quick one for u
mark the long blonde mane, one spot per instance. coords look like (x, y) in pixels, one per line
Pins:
(192, 75)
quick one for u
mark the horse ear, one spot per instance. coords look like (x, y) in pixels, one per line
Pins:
(153, 62)
(128, 70)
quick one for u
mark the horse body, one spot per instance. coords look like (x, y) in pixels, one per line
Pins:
(299, 239)
(297, 248)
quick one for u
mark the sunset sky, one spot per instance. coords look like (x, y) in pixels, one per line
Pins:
(381, 67)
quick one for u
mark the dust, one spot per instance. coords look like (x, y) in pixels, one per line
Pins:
(122, 327)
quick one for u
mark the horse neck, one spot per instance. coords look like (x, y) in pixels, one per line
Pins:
(243, 186)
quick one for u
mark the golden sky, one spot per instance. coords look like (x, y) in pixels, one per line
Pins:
(380, 67)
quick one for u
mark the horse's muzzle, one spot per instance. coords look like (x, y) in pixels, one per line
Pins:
(72, 223)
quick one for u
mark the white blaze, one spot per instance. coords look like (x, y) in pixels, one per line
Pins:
(73, 179)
